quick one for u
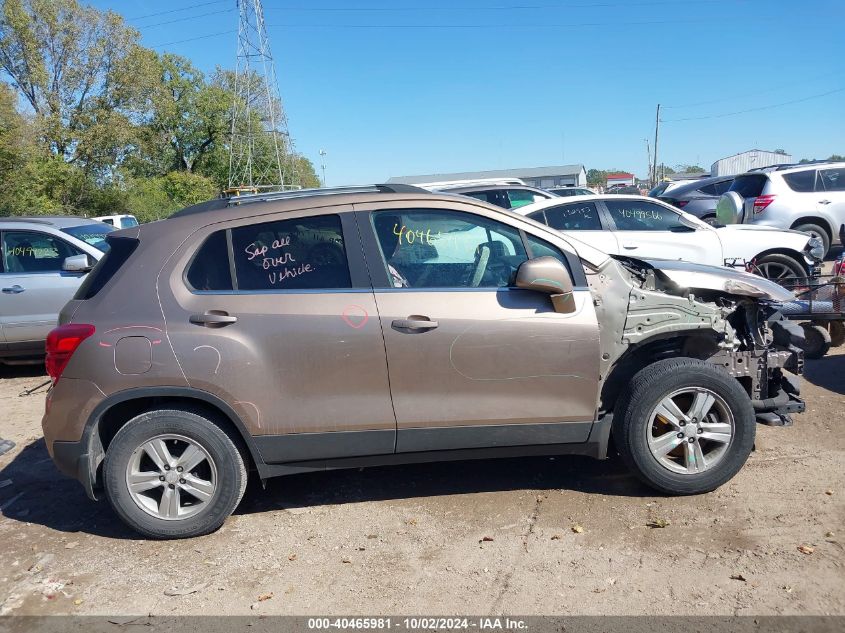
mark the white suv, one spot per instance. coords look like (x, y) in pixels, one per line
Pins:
(809, 198)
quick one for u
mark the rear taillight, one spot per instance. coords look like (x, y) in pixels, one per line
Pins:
(61, 344)
(681, 203)
(761, 202)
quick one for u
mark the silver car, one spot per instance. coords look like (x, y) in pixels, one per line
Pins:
(44, 260)
(805, 197)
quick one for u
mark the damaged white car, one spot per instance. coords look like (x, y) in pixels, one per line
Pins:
(644, 227)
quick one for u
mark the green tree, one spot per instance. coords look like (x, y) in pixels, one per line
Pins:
(82, 73)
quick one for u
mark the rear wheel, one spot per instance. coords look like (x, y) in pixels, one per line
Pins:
(815, 231)
(686, 426)
(173, 474)
(816, 340)
(779, 267)
(711, 220)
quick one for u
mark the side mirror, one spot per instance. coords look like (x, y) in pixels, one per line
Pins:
(76, 264)
(548, 275)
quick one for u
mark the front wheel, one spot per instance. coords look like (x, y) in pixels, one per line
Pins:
(173, 474)
(686, 426)
(778, 268)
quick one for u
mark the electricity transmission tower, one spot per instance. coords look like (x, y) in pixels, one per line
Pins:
(261, 149)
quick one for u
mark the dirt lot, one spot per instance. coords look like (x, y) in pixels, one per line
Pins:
(526, 536)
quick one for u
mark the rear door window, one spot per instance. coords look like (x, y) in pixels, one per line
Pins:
(582, 216)
(750, 185)
(832, 179)
(210, 269)
(716, 188)
(297, 254)
(801, 181)
(522, 197)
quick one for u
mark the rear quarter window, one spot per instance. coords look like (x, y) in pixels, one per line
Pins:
(801, 181)
(120, 249)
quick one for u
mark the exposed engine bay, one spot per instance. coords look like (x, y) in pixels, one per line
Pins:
(654, 309)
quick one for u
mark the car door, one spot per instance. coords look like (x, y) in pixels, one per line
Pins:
(645, 228)
(473, 361)
(581, 220)
(33, 286)
(831, 187)
(275, 315)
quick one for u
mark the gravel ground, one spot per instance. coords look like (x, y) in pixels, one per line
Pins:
(528, 536)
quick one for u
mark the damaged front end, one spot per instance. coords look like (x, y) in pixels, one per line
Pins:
(656, 309)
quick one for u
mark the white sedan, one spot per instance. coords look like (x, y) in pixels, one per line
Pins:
(644, 227)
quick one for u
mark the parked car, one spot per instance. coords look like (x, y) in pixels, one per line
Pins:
(502, 195)
(699, 197)
(213, 343)
(44, 260)
(566, 192)
(805, 197)
(643, 227)
(623, 189)
(667, 186)
(124, 221)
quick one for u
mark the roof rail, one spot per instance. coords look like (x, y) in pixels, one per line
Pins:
(823, 161)
(322, 191)
(267, 196)
(26, 219)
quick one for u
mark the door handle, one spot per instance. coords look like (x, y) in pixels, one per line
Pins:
(414, 322)
(213, 318)
(824, 201)
(630, 248)
(14, 290)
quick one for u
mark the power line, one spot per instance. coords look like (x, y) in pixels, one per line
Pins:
(766, 107)
(484, 26)
(480, 9)
(194, 39)
(189, 17)
(193, 6)
(756, 92)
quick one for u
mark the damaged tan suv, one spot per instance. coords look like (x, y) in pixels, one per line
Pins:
(300, 331)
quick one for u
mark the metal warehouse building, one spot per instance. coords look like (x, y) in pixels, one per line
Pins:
(742, 162)
(554, 176)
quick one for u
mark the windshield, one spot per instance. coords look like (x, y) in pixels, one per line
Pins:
(128, 221)
(92, 234)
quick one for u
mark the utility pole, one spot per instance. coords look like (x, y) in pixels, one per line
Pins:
(650, 172)
(656, 130)
(261, 154)
(323, 164)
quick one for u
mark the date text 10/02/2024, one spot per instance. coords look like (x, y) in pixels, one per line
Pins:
(421, 623)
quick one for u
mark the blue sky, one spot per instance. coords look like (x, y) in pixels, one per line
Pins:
(411, 86)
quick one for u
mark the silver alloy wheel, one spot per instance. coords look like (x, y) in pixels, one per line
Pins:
(690, 430)
(775, 271)
(171, 477)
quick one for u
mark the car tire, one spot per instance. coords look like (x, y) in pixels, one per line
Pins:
(218, 479)
(817, 341)
(816, 231)
(778, 267)
(679, 380)
(712, 220)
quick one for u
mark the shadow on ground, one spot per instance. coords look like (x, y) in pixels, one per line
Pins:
(827, 373)
(23, 371)
(48, 498)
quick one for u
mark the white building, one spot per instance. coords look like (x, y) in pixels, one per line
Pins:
(544, 177)
(753, 158)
